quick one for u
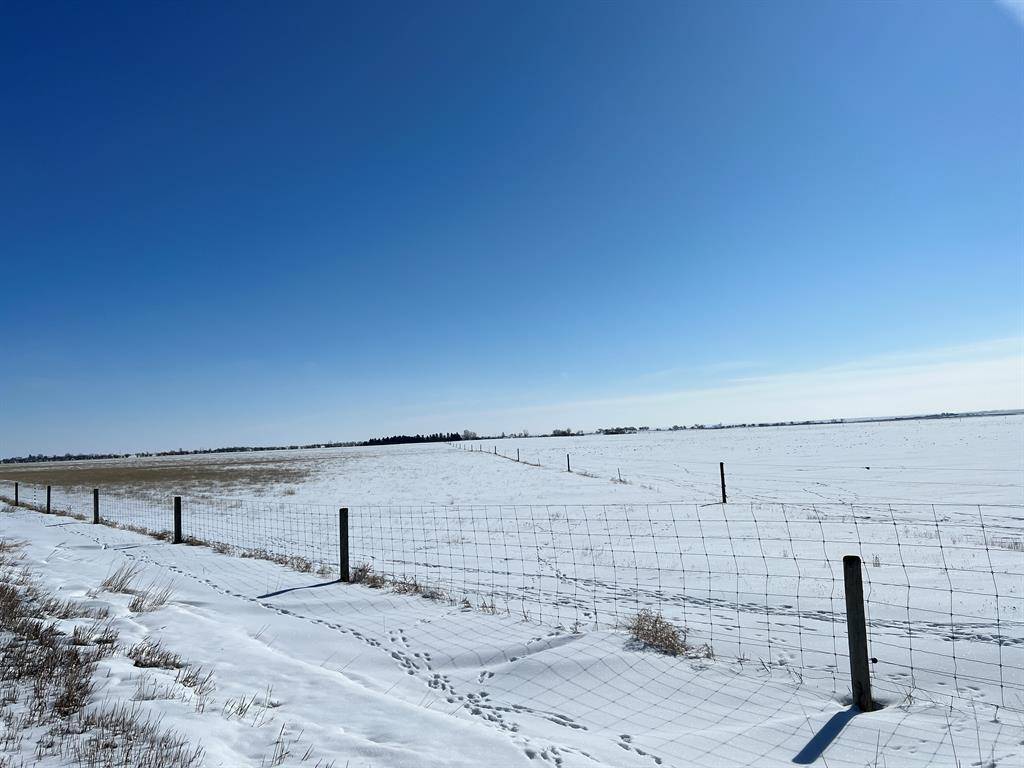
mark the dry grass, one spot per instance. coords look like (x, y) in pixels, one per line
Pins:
(45, 676)
(99, 634)
(194, 678)
(239, 707)
(149, 688)
(365, 575)
(260, 704)
(69, 609)
(121, 736)
(150, 654)
(47, 681)
(164, 472)
(8, 503)
(283, 746)
(161, 535)
(201, 685)
(145, 599)
(296, 563)
(152, 597)
(123, 579)
(652, 630)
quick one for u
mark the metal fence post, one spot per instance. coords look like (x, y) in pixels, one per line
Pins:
(857, 634)
(721, 471)
(343, 542)
(95, 506)
(177, 520)
(47, 499)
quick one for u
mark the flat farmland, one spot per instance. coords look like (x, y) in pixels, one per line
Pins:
(933, 508)
(963, 460)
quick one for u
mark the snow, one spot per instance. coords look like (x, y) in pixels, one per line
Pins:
(976, 460)
(368, 677)
(562, 559)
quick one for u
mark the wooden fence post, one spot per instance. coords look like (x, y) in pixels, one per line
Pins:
(517, 454)
(856, 630)
(177, 520)
(568, 466)
(343, 542)
(15, 493)
(47, 499)
(721, 471)
(95, 506)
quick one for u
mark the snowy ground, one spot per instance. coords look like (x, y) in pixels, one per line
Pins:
(559, 560)
(368, 677)
(963, 460)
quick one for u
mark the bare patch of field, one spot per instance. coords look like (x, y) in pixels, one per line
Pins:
(207, 471)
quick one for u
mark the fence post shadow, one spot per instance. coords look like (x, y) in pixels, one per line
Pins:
(828, 733)
(300, 588)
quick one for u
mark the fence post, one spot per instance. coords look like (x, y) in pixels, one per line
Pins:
(47, 499)
(568, 467)
(721, 471)
(177, 520)
(495, 450)
(15, 493)
(857, 634)
(343, 542)
(95, 506)
(517, 454)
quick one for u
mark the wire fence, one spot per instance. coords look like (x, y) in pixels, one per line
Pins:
(757, 584)
(697, 478)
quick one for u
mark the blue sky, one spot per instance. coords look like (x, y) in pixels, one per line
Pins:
(262, 223)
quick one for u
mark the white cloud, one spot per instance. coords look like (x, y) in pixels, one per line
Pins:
(983, 376)
(1014, 7)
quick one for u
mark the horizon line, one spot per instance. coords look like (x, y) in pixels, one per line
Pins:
(100, 456)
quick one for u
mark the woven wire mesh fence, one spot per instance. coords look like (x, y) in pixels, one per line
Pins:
(65, 502)
(757, 584)
(301, 536)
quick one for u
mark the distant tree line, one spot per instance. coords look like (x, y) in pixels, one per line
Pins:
(436, 437)
(449, 437)
(34, 457)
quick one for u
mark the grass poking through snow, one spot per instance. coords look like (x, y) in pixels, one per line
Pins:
(652, 630)
(47, 680)
(151, 653)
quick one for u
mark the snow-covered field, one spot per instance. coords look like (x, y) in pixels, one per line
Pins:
(970, 460)
(370, 678)
(551, 563)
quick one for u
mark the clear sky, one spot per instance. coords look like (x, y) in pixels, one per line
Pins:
(257, 223)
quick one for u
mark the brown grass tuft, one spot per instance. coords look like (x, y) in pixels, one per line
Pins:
(652, 630)
(152, 654)
(152, 597)
(123, 579)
